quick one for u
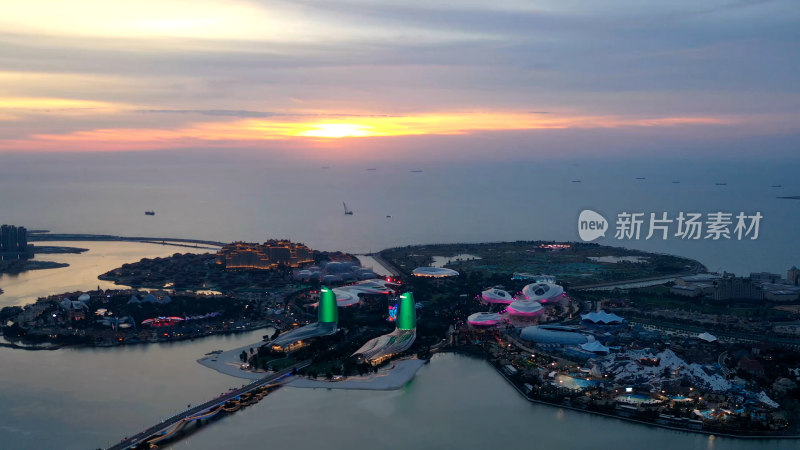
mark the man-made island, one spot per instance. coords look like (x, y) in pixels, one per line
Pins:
(644, 337)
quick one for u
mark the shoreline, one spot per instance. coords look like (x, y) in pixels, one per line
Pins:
(227, 362)
(392, 378)
(56, 346)
(632, 420)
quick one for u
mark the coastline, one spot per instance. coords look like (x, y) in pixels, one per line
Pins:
(56, 346)
(632, 420)
(388, 379)
(228, 362)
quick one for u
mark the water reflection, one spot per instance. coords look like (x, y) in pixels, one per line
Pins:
(82, 273)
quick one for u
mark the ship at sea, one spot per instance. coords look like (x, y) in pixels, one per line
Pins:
(150, 213)
(347, 212)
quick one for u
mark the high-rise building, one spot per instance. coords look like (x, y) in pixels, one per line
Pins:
(13, 239)
(793, 275)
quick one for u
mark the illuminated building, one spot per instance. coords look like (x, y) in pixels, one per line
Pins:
(496, 296)
(544, 293)
(527, 308)
(555, 335)
(381, 348)
(269, 255)
(484, 319)
(556, 246)
(327, 320)
(434, 272)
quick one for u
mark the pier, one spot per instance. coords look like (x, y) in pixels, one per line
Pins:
(207, 410)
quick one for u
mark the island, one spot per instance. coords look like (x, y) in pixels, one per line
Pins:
(649, 338)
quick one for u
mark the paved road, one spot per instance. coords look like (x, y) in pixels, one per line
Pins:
(145, 434)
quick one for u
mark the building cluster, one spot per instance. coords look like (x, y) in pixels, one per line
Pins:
(13, 239)
(528, 304)
(269, 255)
(758, 286)
(332, 272)
(604, 363)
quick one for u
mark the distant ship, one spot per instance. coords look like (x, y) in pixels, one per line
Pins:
(576, 181)
(676, 182)
(777, 185)
(371, 168)
(640, 178)
(416, 171)
(347, 212)
(150, 213)
(721, 184)
(326, 167)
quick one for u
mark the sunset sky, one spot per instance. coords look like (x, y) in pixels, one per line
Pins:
(382, 75)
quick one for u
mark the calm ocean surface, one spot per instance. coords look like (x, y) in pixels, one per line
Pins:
(88, 398)
(250, 197)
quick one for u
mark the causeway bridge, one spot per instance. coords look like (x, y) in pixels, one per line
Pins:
(207, 410)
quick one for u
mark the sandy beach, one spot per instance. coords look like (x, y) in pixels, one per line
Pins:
(228, 362)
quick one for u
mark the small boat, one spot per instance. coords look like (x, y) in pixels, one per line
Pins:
(721, 184)
(676, 182)
(576, 181)
(416, 171)
(640, 178)
(150, 213)
(347, 212)
(777, 185)
(388, 217)
(371, 168)
(326, 167)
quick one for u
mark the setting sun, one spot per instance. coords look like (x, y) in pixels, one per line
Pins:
(337, 130)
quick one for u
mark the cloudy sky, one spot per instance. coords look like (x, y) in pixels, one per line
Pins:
(507, 78)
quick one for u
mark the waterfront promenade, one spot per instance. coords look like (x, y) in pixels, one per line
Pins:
(159, 428)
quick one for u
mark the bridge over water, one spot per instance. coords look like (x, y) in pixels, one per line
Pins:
(204, 411)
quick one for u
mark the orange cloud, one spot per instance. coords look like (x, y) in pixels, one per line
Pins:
(312, 128)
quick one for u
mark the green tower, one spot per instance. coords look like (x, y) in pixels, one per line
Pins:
(406, 313)
(328, 310)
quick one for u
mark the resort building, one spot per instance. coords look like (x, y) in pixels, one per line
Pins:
(484, 319)
(269, 255)
(555, 335)
(328, 319)
(382, 348)
(434, 272)
(525, 308)
(544, 293)
(497, 296)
